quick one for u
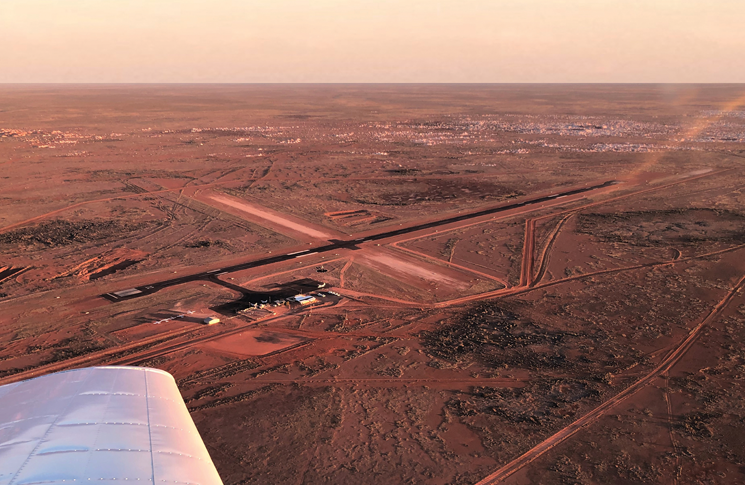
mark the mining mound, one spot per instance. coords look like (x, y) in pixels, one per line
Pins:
(105, 264)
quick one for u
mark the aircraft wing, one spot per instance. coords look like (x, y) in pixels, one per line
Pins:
(103, 425)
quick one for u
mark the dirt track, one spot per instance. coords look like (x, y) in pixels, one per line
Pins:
(526, 268)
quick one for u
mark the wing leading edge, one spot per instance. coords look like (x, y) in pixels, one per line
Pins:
(102, 424)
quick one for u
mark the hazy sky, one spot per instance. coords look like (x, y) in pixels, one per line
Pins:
(372, 41)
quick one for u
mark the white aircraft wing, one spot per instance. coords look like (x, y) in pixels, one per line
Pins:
(102, 425)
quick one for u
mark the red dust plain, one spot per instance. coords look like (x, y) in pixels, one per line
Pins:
(513, 284)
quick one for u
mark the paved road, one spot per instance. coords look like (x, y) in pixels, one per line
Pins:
(337, 245)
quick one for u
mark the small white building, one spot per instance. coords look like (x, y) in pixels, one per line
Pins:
(305, 299)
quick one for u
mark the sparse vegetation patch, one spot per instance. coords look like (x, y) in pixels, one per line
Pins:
(665, 227)
(63, 233)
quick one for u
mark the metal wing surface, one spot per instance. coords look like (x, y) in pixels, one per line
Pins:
(100, 425)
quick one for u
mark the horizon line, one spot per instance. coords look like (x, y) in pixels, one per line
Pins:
(429, 83)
